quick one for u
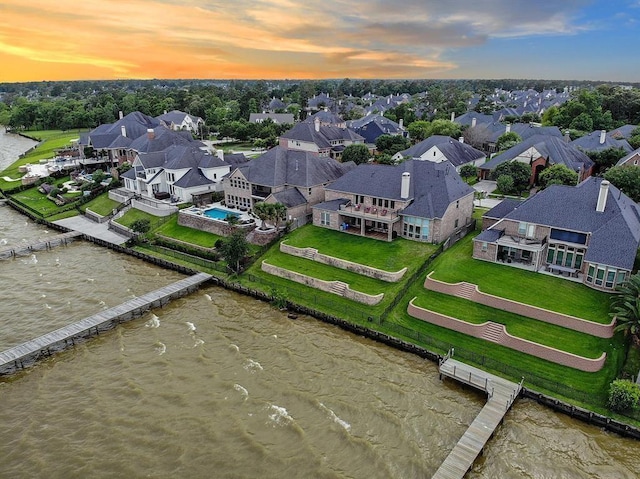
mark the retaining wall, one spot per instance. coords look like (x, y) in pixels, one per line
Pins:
(535, 349)
(312, 254)
(471, 291)
(322, 285)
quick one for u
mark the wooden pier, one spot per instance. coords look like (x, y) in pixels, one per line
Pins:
(49, 243)
(501, 394)
(26, 354)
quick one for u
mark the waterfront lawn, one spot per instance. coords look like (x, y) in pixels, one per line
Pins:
(102, 205)
(388, 256)
(52, 141)
(526, 328)
(356, 282)
(37, 201)
(536, 289)
(172, 229)
(133, 215)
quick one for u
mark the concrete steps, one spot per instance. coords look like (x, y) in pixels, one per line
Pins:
(493, 332)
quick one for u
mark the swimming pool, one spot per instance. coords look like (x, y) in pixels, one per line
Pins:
(219, 213)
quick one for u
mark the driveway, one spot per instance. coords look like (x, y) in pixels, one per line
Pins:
(488, 187)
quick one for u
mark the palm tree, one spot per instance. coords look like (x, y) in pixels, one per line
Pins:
(263, 211)
(279, 213)
(625, 307)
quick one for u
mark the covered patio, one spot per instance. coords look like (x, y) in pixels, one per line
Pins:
(370, 222)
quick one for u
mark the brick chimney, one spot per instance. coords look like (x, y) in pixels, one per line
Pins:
(150, 133)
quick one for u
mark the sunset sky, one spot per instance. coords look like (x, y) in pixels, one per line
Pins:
(116, 39)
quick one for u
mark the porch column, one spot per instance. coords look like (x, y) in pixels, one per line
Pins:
(390, 232)
(362, 227)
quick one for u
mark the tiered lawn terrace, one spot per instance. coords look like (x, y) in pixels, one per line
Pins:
(378, 254)
(528, 287)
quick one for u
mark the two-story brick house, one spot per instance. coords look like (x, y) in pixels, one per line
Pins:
(296, 179)
(418, 200)
(590, 231)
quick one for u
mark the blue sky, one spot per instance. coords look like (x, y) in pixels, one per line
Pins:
(105, 39)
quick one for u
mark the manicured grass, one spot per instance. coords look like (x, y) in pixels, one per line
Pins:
(102, 205)
(324, 272)
(53, 140)
(528, 287)
(63, 215)
(526, 328)
(133, 215)
(387, 256)
(38, 201)
(173, 230)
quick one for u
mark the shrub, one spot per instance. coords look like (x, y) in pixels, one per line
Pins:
(623, 395)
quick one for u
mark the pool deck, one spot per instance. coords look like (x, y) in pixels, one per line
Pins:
(200, 211)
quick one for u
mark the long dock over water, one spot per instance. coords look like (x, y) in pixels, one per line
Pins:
(26, 354)
(49, 243)
(502, 394)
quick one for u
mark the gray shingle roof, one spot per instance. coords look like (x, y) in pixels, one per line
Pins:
(555, 149)
(433, 186)
(333, 205)
(279, 166)
(192, 178)
(503, 208)
(290, 197)
(457, 153)
(615, 232)
(591, 142)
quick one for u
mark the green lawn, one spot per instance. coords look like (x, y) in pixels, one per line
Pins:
(102, 205)
(526, 328)
(379, 254)
(133, 215)
(387, 256)
(173, 230)
(37, 201)
(52, 140)
(527, 287)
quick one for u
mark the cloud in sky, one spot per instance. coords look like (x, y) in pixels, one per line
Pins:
(100, 39)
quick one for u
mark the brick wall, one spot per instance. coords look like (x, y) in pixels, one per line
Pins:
(327, 286)
(551, 317)
(312, 254)
(477, 330)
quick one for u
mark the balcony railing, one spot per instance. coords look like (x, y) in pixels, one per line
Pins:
(376, 213)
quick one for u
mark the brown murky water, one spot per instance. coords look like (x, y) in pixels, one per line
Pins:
(220, 385)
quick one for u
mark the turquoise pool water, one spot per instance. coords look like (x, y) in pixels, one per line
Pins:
(219, 214)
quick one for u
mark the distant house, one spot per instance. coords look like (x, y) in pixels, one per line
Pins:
(589, 232)
(278, 118)
(373, 125)
(325, 141)
(539, 152)
(179, 120)
(523, 130)
(632, 158)
(439, 148)
(599, 140)
(418, 200)
(295, 178)
(177, 173)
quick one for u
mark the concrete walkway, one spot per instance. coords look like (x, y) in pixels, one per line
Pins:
(90, 228)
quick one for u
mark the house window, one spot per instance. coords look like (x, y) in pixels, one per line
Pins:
(359, 199)
(599, 276)
(457, 206)
(484, 246)
(325, 218)
(455, 225)
(611, 276)
(590, 273)
(522, 228)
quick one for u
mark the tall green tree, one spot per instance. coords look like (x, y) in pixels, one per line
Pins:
(557, 175)
(507, 140)
(519, 172)
(626, 179)
(264, 211)
(234, 248)
(357, 153)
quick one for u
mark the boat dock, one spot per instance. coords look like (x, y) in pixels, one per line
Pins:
(49, 243)
(502, 394)
(26, 354)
